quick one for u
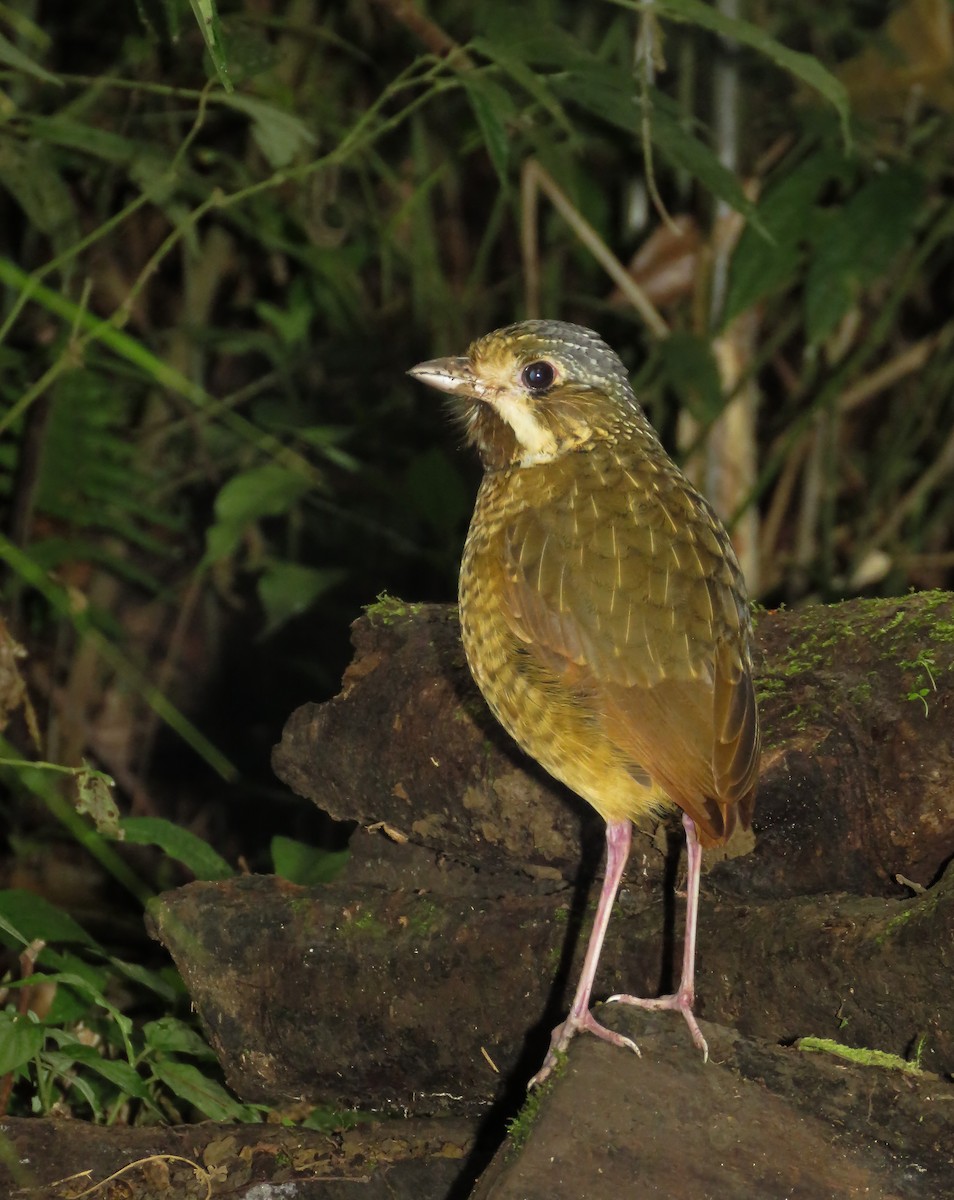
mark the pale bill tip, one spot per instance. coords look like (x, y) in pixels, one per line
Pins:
(443, 374)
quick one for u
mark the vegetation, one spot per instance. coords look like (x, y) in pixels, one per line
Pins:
(224, 239)
(867, 1058)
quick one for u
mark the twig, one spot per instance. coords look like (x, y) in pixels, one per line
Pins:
(906, 363)
(529, 240)
(541, 178)
(648, 59)
(427, 32)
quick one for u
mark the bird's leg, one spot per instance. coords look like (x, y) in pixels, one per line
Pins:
(683, 997)
(618, 837)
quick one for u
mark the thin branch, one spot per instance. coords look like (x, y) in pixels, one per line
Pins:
(587, 235)
(529, 238)
(649, 59)
(427, 32)
(913, 359)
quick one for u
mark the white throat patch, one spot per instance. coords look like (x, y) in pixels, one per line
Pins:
(537, 443)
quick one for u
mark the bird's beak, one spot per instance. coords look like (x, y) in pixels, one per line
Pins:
(452, 375)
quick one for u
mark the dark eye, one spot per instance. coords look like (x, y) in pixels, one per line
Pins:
(538, 376)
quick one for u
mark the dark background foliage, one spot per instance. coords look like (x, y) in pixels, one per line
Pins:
(223, 241)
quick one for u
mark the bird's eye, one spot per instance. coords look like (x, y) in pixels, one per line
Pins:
(538, 376)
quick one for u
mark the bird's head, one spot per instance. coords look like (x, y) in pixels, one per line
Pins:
(532, 392)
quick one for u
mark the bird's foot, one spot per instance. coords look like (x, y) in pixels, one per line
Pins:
(563, 1035)
(681, 1001)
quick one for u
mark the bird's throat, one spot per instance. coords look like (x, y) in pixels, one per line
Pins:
(493, 438)
(507, 433)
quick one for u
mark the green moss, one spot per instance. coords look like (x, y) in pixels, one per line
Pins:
(934, 633)
(922, 907)
(863, 1057)
(520, 1126)
(860, 694)
(363, 923)
(302, 905)
(368, 923)
(425, 917)
(880, 623)
(419, 920)
(819, 634)
(895, 924)
(386, 610)
(804, 655)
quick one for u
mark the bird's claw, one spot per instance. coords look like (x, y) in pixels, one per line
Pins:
(681, 1001)
(564, 1034)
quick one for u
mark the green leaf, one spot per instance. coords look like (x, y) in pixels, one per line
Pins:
(69, 1005)
(173, 18)
(804, 67)
(334, 1120)
(304, 864)
(676, 142)
(169, 1035)
(21, 1039)
(151, 980)
(532, 83)
(75, 135)
(267, 491)
(30, 171)
(278, 134)
(764, 262)
(210, 1098)
(11, 56)
(608, 92)
(57, 1063)
(691, 369)
(858, 244)
(208, 19)
(264, 491)
(602, 89)
(180, 844)
(493, 108)
(293, 321)
(70, 979)
(62, 959)
(288, 589)
(326, 438)
(531, 40)
(120, 1074)
(27, 916)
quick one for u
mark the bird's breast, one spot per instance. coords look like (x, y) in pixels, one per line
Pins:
(622, 545)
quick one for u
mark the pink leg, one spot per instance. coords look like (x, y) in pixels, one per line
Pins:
(683, 998)
(618, 837)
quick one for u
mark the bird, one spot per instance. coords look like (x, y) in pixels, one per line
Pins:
(604, 615)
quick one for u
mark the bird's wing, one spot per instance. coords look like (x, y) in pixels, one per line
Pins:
(636, 606)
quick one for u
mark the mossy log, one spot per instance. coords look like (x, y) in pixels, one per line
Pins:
(434, 1003)
(426, 978)
(857, 779)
